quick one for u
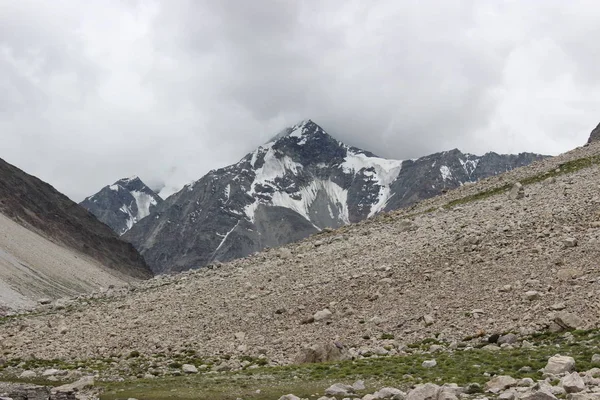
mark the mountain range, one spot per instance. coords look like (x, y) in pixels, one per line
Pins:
(299, 183)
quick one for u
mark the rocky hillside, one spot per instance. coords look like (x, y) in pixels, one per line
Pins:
(492, 257)
(299, 183)
(51, 247)
(122, 204)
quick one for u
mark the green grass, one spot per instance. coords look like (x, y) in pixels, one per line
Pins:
(461, 367)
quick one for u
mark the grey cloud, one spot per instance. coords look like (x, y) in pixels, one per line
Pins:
(94, 91)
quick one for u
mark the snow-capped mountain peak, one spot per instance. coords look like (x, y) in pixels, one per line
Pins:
(123, 204)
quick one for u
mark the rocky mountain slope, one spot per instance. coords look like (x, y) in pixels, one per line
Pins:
(51, 247)
(491, 257)
(300, 182)
(122, 204)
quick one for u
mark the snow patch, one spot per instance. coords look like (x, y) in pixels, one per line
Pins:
(386, 172)
(114, 188)
(446, 173)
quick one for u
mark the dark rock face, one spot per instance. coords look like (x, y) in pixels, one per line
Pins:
(595, 135)
(431, 175)
(122, 204)
(300, 182)
(41, 208)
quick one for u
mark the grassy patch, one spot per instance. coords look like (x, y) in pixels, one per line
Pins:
(461, 367)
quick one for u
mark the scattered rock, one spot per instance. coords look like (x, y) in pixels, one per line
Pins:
(83, 383)
(509, 338)
(559, 364)
(428, 319)
(322, 353)
(499, 383)
(429, 363)
(322, 315)
(189, 369)
(572, 383)
(532, 295)
(517, 192)
(28, 375)
(568, 321)
(339, 389)
(428, 391)
(389, 393)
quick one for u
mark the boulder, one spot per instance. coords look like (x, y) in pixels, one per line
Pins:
(339, 389)
(572, 383)
(428, 391)
(429, 363)
(323, 352)
(539, 395)
(189, 369)
(389, 393)
(500, 383)
(568, 321)
(516, 192)
(322, 315)
(85, 382)
(289, 397)
(559, 365)
(509, 338)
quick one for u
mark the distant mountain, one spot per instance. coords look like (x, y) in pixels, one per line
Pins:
(51, 247)
(122, 204)
(300, 182)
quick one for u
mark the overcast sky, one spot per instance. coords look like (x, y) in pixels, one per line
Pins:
(95, 90)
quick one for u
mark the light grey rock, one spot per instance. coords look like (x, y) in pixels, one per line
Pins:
(358, 385)
(428, 391)
(189, 369)
(429, 363)
(532, 295)
(539, 395)
(499, 383)
(509, 338)
(83, 383)
(52, 372)
(428, 319)
(28, 375)
(339, 389)
(596, 359)
(559, 364)
(572, 383)
(569, 321)
(322, 315)
(289, 397)
(388, 393)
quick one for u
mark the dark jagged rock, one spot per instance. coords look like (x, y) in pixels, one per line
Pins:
(36, 205)
(595, 134)
(300, 182)
(122, 204)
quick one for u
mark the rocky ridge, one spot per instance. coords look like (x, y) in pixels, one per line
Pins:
(475, 260)
(51, 247)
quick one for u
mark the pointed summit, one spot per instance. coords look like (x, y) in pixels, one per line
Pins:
(302, 129)
(123, 204)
